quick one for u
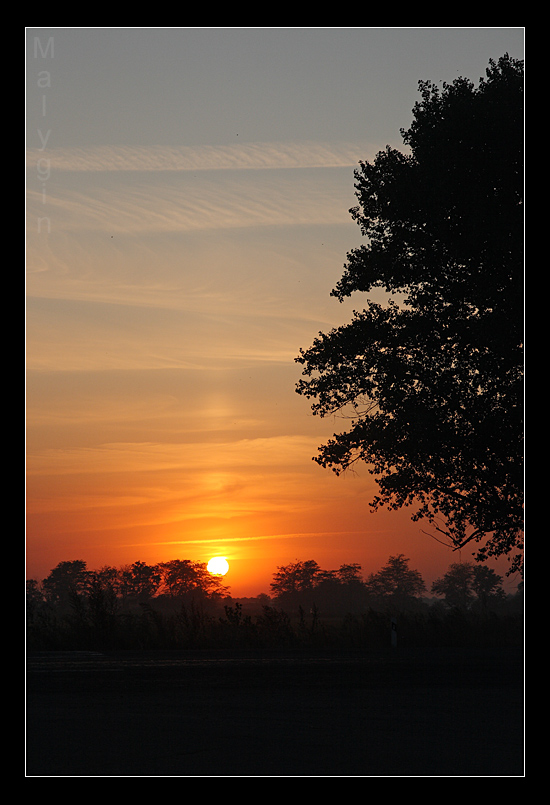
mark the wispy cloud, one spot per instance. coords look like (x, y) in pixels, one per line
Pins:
(150, 204)
(153, 456)
(147, 209)
(248, 156)
(254, 538)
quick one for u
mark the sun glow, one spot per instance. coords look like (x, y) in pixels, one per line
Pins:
(218, 566)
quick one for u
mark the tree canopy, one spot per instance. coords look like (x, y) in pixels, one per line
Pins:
(65, 580)
(396, 582)
(432, 379)
(138, 581)
(464, 584)
(183, 576)
(296, 577)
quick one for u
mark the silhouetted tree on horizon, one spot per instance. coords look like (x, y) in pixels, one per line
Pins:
(432, 380)
(303, 584)
(182, 576)
(297, 577)
(465, 584)
(140, 580)
(396, 585)
(65, 581)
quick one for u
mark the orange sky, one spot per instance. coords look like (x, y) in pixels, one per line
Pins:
(187, 196)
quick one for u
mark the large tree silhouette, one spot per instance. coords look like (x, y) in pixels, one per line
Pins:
(432, 379)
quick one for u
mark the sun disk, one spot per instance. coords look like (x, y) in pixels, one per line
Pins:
(218, 566)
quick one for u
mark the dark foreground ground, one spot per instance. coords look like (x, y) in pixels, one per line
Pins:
(182, 714)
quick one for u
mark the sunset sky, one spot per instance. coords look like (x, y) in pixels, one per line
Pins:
(188, 195)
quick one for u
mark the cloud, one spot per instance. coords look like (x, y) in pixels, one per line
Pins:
(266, 452)
(252, 538)
(248, 156)
(165, 202)
(140, 209)
(159, 190)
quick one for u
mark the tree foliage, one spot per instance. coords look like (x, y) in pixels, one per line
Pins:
(140, 580)
(396, 583)
(183, 577)
(432, 379)
(66, 580)
(463, 584)
(303, 584)
(296, 577)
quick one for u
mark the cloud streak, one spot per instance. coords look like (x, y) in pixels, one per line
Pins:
(254, 538)
(248, 156)
(134, 457)
(274, 199)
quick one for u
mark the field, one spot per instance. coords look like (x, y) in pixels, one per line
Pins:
(401, 712)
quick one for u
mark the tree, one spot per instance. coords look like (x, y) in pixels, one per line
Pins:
(487, 585)
(305, 584)
(340, 592)
(34, 594)
(140, 580)
(66, 580)
(432, 379)
(456, 586)
(34, 599)
(108, 578)
(183, 576)
(396, 583)
(103, 603)
(465, 584)
(295, 578)
(349, 574)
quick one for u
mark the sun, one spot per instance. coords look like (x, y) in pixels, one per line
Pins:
(218, 566)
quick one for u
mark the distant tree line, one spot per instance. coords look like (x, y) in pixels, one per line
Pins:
(179, 604)
(395, 587)
(111, 605)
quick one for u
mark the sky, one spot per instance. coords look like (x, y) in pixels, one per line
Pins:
(187, 200)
